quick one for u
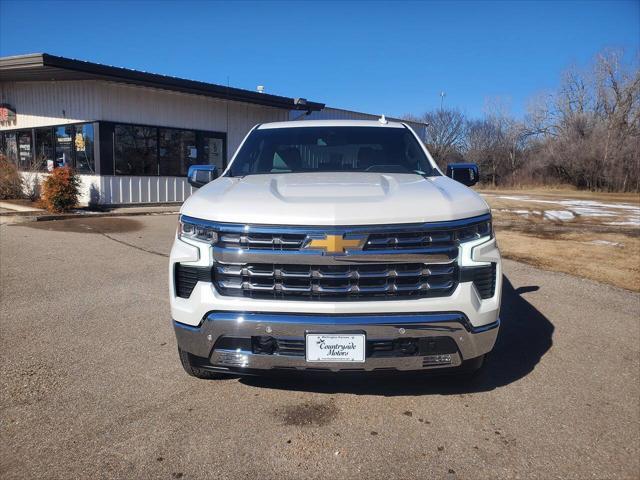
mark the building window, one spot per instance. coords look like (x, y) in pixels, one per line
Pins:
(11, 147)
(136, 150)
(141, 150)
(83, 143)
(44, 159)
(25, 152)
(178, 151)
(64, 146)
(42, 149)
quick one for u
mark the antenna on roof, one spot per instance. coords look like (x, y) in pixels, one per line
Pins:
(383, 120)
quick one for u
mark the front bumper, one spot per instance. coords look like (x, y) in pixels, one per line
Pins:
(225, 339)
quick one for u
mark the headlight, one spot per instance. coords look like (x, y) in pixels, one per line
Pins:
(475, 231)
(197, 231)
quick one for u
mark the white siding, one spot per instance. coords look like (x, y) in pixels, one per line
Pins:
(50, 103)
(123, 190)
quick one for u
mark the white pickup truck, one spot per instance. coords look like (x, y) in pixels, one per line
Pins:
(334, 246)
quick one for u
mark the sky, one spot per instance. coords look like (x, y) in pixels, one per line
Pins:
(378, 57)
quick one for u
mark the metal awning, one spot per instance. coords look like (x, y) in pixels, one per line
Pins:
(44, 67)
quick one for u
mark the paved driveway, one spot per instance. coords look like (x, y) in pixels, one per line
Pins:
(91, 386)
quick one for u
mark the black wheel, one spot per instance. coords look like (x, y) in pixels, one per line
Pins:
(190, 365)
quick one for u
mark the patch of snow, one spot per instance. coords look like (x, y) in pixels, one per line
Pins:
(592, 212)
(561, 215)
(514, 197)
(629, 213)
(573, 203)
(524, 213)
(606, 242)
(598, 205)
(634, 222)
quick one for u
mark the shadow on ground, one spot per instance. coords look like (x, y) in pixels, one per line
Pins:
(525, 336)
(99, 225)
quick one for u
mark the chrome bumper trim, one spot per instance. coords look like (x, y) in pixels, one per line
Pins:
(244, 359)
(471, 341)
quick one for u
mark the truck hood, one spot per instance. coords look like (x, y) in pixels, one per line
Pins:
(358, 198)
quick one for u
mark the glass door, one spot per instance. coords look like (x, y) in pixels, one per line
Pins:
(64, 145)
(213, 150)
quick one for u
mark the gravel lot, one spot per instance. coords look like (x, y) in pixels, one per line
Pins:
(91, 386)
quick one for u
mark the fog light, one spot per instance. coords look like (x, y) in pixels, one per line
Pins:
(408, 346)
(265, 345)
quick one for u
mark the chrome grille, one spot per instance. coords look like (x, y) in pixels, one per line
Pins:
(394, 261)
(336, 281)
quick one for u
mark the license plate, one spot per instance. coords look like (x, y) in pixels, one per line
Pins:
(335, 347)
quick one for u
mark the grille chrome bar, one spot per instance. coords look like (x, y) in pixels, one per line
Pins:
(410, 240)
(345, 281)
(255, 241)
(316, 273)
(319, 289)
(431, 255)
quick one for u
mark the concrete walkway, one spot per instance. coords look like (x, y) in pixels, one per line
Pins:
(11, 213)
(9, 207)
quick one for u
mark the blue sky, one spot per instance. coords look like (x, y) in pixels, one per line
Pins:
(377, 57)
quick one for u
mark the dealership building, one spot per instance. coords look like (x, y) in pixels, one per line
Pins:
(130, 135)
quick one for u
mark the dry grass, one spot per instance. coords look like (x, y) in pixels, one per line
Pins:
(562, 192)
(586, 245)
(573, 254)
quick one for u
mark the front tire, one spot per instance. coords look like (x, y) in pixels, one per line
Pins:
(475, 365)
(189, 363)
(472, 369)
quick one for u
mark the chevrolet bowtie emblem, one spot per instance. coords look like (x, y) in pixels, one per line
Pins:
(336, 243)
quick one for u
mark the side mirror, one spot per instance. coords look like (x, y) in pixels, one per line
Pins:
(465, 173)
(200, 175)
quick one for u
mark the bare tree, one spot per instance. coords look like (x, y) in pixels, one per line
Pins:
(586, 134)
(591, 129)
(444, 134)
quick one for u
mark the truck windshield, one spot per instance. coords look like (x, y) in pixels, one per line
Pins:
(331, 149)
